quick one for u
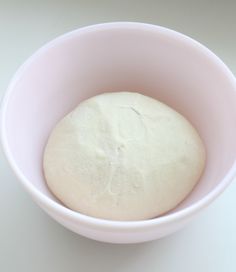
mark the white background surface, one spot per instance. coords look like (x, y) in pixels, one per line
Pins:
(29, 239)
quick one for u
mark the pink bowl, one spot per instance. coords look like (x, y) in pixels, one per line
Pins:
(121, 57)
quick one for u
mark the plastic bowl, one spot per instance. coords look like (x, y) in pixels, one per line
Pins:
(121, 56)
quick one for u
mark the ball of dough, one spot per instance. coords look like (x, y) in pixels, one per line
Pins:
(123, 156)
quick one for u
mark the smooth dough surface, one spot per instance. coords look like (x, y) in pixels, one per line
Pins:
(123, 156)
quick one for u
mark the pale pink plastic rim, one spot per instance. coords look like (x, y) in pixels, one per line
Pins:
(92, 221)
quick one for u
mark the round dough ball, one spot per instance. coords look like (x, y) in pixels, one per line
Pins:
(123, 156)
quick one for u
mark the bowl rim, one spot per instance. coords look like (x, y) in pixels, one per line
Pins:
(89, 220)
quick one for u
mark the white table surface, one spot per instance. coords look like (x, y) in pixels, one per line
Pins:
(29, 239)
